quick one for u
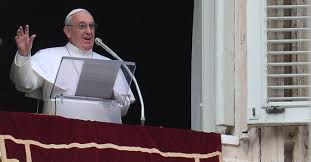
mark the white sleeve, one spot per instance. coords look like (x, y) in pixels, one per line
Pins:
(126, 106)
(23, 76)
(123, 93)
(122, 87)
(124, 102)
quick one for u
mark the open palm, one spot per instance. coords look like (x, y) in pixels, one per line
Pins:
(23, 41)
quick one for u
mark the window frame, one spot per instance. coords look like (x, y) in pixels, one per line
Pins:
(257, 75)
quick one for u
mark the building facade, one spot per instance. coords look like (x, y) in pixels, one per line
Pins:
(250, 77)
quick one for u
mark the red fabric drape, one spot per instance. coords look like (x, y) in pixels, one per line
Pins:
(56, 130)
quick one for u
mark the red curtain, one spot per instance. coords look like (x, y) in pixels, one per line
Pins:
(34, 137)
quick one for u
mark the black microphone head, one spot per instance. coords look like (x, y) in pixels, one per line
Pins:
(98, 41)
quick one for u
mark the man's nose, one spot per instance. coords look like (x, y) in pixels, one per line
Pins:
(88, 29)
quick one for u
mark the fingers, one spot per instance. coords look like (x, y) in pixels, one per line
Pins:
(31, 39)
(18, 32)
(21, 32)
(23, 41)
(27, 30)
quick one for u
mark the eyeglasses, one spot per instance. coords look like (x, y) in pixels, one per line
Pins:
(83, 26)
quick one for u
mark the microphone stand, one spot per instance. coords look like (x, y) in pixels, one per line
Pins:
(99, 42)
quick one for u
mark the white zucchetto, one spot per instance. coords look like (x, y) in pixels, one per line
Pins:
(75, 11)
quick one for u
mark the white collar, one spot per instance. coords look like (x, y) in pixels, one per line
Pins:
(76, 52)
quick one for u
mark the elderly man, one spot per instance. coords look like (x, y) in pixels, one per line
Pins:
(35, 74)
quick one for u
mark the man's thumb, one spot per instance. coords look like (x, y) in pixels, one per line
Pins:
(31, 39)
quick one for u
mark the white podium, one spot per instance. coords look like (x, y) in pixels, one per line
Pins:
(87, 88)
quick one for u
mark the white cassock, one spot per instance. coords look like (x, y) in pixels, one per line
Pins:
(36, 74)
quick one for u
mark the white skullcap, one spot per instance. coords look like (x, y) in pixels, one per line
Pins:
(75, 11)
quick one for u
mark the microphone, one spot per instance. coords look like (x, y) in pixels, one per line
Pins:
(100, 43)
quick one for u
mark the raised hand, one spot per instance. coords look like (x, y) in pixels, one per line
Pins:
(23, 41)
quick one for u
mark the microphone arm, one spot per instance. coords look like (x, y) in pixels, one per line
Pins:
(100, 43)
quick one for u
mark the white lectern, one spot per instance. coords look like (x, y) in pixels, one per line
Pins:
(85, 88)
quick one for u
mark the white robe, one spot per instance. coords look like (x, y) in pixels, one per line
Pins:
(36, 74)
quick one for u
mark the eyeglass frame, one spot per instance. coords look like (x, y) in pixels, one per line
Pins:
(83, 26)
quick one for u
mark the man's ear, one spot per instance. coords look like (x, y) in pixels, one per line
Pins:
(67, 31)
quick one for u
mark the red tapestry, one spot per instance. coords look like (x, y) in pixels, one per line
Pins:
(42, 138)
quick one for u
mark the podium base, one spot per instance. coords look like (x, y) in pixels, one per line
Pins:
(84, 110)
